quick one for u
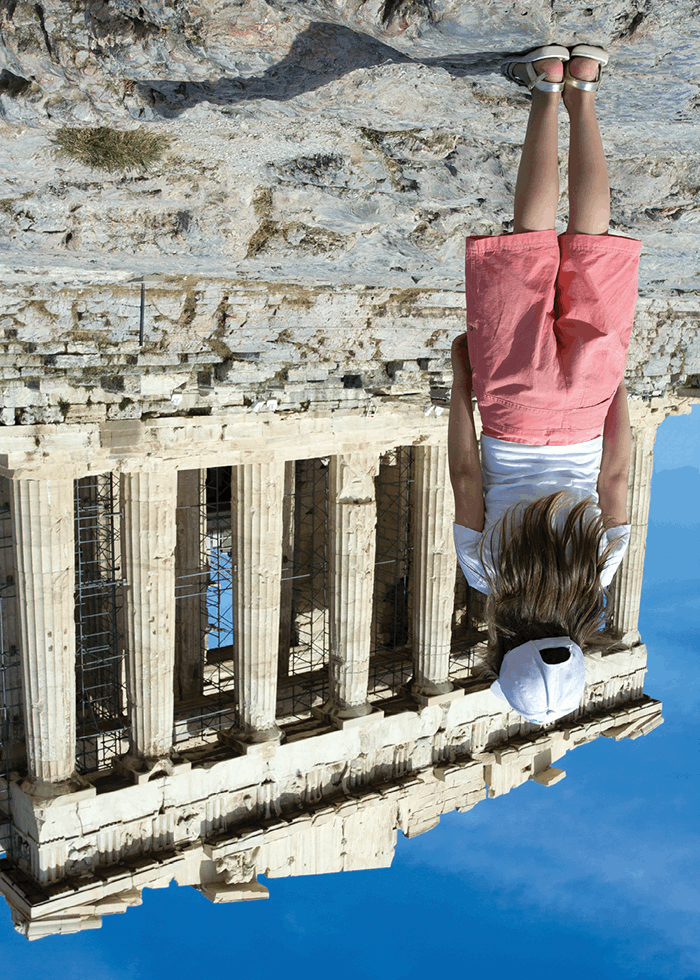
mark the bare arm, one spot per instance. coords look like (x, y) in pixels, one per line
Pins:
(615, 461)
(462, 444)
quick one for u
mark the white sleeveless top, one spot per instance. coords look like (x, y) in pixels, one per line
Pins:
(517, 474)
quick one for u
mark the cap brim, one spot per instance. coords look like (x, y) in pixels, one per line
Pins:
(496, 689)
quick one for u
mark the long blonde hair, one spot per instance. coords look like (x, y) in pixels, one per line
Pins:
(537, 591)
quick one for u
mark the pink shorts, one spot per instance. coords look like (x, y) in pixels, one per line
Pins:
(549, 320)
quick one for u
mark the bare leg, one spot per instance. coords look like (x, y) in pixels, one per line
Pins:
(589, 189)
(537, 186)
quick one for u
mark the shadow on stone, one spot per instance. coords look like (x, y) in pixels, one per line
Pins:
(320, 54)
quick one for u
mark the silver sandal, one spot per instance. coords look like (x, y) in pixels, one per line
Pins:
(537, 81)
(586, 51)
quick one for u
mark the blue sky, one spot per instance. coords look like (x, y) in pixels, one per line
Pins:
(595, 876)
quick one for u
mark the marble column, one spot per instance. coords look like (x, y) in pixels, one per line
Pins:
(191, 525)
(8, 611)
(287, 588)
(257, 492)
(352, 537)
(149, 499)
(43, 540)
(433, 573)
(627, 584)
(10, 662)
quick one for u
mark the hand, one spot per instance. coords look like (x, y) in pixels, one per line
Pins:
(461, 365)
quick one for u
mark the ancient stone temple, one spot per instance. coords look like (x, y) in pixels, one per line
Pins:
(234, 648)
(235, 642)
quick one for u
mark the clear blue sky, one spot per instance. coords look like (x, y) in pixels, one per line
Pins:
(596, 876)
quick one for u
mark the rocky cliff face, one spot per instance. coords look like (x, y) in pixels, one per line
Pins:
(337, 151)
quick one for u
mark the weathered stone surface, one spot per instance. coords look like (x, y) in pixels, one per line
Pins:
(434, 558)
(225, 794)
(325, 801)
(217, 827)
(257, 492)
(318, 150)
(352, 529)
(627, 587)
(149, 498)
(42, 515)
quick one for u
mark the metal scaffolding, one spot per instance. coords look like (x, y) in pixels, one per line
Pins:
(390, 651)
(304, 627)
(204, 666)
(101, 725)
(391, 663)
(204, 641)
(304, 622)
(468, 627)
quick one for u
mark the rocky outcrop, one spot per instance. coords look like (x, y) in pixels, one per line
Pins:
(324, 164)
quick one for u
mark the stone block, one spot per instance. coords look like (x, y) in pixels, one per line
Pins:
(306, 373)
(25, 362)
(118, 410)
(221, 892)
(420, 823)
(258, 750)
(344, 724)
(65, 361)
(646, 727)
(549, 776)
(118, 903)
(165, 359)
(16, 395)
(77, 414)
(429, 701)
(64, 925)
(201, 357)
(158, 385)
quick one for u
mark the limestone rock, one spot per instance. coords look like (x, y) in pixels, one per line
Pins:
(314, 145)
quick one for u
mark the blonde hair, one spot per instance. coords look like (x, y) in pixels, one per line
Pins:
(535, 590)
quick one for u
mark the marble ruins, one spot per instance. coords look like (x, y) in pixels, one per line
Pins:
(153, 733)
(234, 639)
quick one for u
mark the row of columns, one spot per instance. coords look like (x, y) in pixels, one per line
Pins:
(43, 518)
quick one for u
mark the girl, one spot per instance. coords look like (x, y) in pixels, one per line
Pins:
(540, 518)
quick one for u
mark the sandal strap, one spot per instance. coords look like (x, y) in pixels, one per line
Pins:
(580, 83)
(538, 81)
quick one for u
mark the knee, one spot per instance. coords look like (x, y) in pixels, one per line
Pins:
(522, 230)
(573, 230)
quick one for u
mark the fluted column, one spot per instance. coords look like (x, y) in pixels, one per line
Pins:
(627, 584)
(287, 589)
(8, 623)
(11, 664)
(433, 572)
(149, 499)
(257, 491)
(352, 537)
(43, 520)
(189, 635)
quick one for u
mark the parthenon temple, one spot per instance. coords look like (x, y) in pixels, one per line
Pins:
(244, 647)
(235, 641)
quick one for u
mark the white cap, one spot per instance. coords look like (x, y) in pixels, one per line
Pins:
(539, 691)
